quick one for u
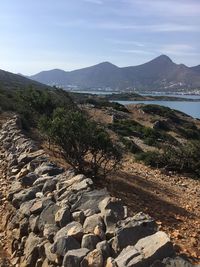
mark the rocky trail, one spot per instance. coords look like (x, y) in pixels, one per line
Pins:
(52, 217)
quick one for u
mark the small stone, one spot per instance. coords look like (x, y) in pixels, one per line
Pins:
(91, 222)
(105, 249)
(63, 244)
(99, 232)
(62, 217)
(110, 262)
(78, 216)
(47, 216)
(50, 256)
(73, 258)
(49, 186)
(39, 195)
(93, 259)
(37, 207)
(73, 229)
(89, 241)
(50, 231)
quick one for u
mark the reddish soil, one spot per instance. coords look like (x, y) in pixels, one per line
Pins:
(174, 202)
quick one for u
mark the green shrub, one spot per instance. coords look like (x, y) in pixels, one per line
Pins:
(150, 158)
(84, 145)
(158, 110)
(182, 159)
(130, 145)
(190, 133)
(32, 104)
(151, 137)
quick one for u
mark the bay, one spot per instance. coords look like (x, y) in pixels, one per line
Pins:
(190, 108)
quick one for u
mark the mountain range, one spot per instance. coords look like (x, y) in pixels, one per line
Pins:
(160, 74)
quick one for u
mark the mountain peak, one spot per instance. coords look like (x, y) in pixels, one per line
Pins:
(106, 64)
(163, 58)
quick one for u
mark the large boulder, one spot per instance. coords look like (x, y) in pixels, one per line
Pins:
(112, 210)
(50, 256)
(157, 245)
(78, 216)
(89, 241)
(63, 216)
(50, 231)
(27, 157)
(28, 179)
(47, 216)
(31, 250)
(130, 230)
(146, 251)
(129, 257)
(69, 181)
(93, 259)
(15, 188)
(73, 229)
(48, 168)
(49, 186)
(26, 207)
(37, 207)
(90, 200)
(73, 258)
(76, 187)
(63, 244)
(24, 195)
(105, 249)
(92, 222)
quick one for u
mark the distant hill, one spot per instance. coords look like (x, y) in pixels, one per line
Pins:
(160, 73)
(196, 68)
(10, 80)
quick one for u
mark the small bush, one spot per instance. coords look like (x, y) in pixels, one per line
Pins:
(150, 158)
(131, 146)
(32, 104)
(151, 137)
(182, 159)
(84, 145)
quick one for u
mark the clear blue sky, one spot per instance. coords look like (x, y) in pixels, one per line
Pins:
(68, 34)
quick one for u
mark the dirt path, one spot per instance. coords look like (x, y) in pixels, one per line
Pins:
(173, 201)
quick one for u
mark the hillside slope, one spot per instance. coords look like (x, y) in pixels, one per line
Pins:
(10, 80)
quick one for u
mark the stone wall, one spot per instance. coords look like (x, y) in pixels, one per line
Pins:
(60, 219)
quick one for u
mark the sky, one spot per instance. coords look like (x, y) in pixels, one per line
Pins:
(38, 35)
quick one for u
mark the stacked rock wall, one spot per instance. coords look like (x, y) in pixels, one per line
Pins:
(60, 219)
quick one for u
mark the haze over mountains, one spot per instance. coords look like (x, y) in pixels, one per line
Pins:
(160, 73)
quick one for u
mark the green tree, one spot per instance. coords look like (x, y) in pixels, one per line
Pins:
(84, 145)
(32, 104)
